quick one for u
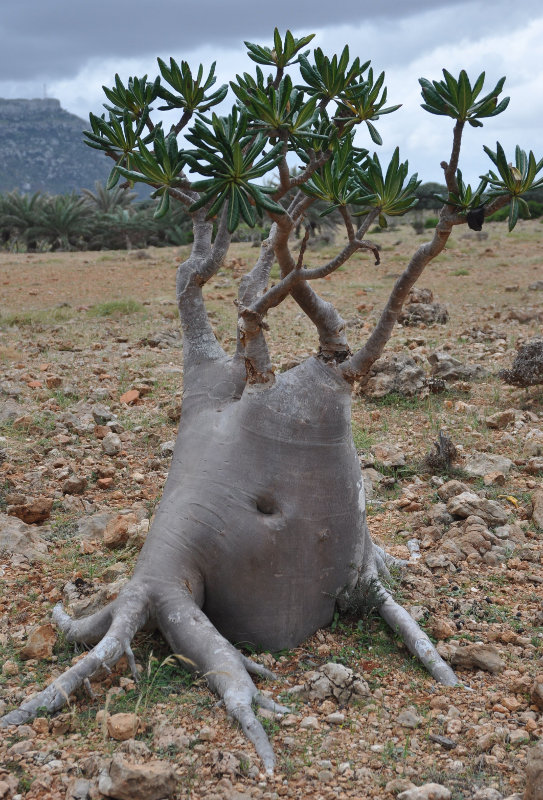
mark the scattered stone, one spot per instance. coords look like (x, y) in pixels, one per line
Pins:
(79, 789)
(167, 448)
(395, 373)
(527, 368)
(18, 537)
(75, 484)
(102, 415)
(332, 680)
(501, 419)
(419, 313)
(118, 529)
(518, 736)
(335, 718)
(479, 464)
(162, 339)
(444, 741)
(472, 656)
(310, 724)
(398, 785)
(114, 572)
(166, 735)
(40, 642)
(448, 368)
(451, 489)
(10, 668)
(130, 397)
(441, 628)
(111, 444)
(92, 527)
(122, 726)
(33, 511)
(409, 718)
(525, 315)
(389, 455)
(487, 794)
(429, 791)
(155, 780)
(468, 504)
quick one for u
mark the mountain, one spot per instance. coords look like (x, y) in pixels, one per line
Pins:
(42, 149)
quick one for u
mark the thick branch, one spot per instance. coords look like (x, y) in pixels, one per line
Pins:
(330, 325)
(452, 166)
(251, 340)
(199, 341)
(359, 364)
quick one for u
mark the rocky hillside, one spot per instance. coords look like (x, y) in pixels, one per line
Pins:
(42, 149)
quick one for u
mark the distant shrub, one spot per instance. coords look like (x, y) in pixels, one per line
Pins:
(431, 222)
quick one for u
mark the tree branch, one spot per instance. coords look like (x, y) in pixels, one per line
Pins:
(199, 341)
(450, 168)
(359, 364)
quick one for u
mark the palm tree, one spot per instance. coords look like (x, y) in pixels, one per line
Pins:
(19, 216)
(64, 221)
(106, 200)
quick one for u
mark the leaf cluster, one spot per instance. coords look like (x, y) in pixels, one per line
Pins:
(232, 159)
(457, 98)
(273, 119)
(513, 181)
(282, 53)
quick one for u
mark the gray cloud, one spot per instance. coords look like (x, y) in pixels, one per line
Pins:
(42, 41)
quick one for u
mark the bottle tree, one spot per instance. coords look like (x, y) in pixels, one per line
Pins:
(261, 530)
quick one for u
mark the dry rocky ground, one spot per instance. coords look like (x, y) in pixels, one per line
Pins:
(90, 395)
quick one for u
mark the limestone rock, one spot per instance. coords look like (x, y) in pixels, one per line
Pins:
(479, 464)
(414, 314)
(472, 656)
(92, 527)
(429, 791)
(441, 628)
(111, 444)
(501, 419)
(527, 368)
(448, 368)
(18, 537)
(389, 455)
(124, 781)
(396, 373)
(122, 726)
(33, 511)
(409, 718)
(40, 642)
(102, 415)
(167, 736)
(334, 680)
(117, 530)
(451, 489)
(75, 484)
(468, 504)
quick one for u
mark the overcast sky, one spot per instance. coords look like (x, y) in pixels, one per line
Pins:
(69, 48)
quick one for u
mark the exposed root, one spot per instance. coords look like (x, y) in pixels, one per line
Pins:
(190, 633)
(127, 616)
(384, 561)
(416, 641)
